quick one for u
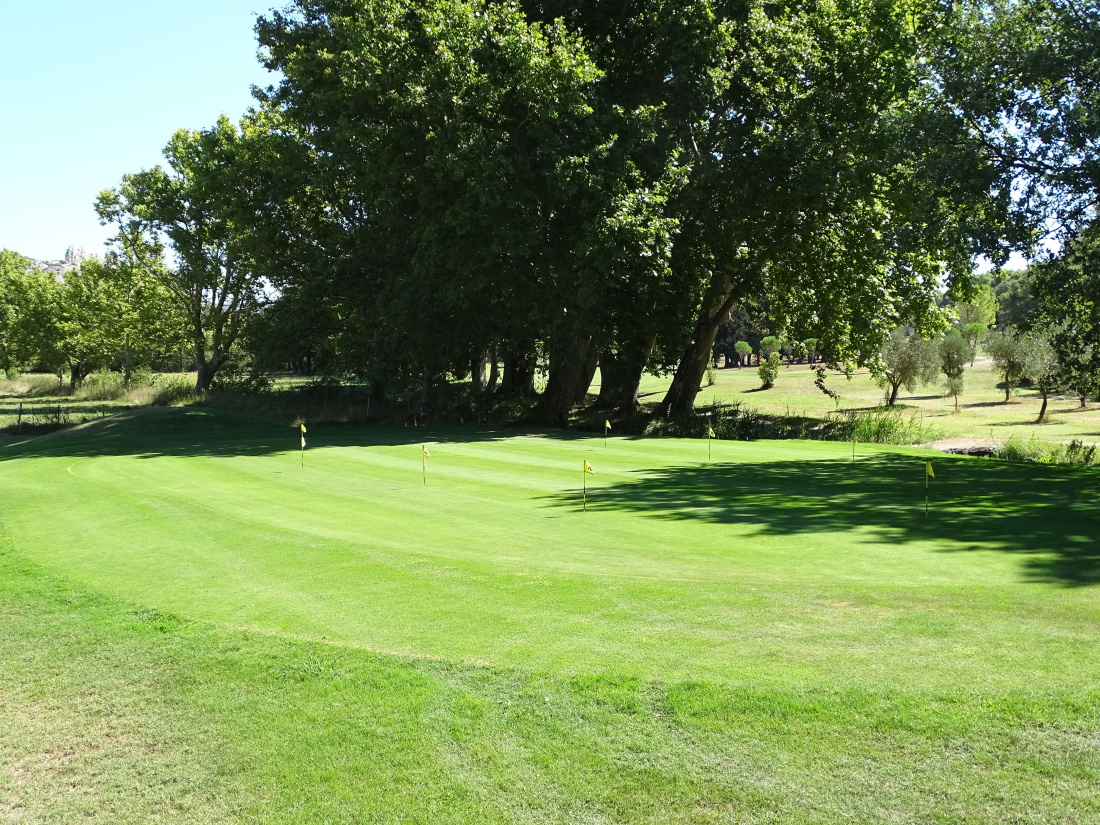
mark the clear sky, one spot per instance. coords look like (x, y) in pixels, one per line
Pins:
(92, 90)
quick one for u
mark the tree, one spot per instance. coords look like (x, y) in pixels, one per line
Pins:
(842, 200)
(1040, 364)
(112, 312)
(980, 309)
(769, 345)
(29, 311)
(972, 334)
(810, 345)
(1067, 294)
(1004, 348)
(955, 352)
(906, 361)
(744, 352)
(207, 205)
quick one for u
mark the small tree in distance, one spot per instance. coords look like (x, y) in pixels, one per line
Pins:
(972, 334)
(743, 350)
(1004, 348)
(954, 354)
(906, 362)
(1040, 364)
(769, 345)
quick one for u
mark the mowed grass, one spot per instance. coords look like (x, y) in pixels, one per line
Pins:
(982, 415)
(195, 628)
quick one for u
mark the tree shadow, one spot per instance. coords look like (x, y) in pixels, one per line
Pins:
(200, 431)
(1047, 515)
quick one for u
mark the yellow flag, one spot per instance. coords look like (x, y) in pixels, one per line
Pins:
(928, 470)
(606, 425)
(303, 426)
(424, 451)
(710, 433)
(588, 468)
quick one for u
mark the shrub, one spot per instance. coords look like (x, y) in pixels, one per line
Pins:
(769, 370)
(712, 374)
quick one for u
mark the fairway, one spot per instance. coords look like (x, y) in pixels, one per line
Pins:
(787, 567)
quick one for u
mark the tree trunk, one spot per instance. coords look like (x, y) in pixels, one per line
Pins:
(716, 306)
(519, 371)
(1042, 409)
(893, 394)
(477, 371)
(1008, 390)
(206, 372)
(619, 383)
(588, 371)
(569, 347)
(494, 369)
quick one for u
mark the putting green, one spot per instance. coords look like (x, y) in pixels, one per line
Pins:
(778, 562)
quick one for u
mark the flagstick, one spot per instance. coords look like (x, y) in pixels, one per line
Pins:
(708, 449)
(926, 491)
(584, 490)
(424, 466)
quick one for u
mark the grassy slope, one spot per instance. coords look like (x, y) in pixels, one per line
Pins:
(778, 636)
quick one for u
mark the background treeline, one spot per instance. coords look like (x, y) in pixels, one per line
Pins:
(517, 194)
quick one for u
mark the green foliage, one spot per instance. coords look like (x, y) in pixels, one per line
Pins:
(1076, 453)
(980, 309)
(769, 370)
(906, 361)
(1067, 291)
(768, 345)
(711, 375)
(744, 351)
(973, 335)
(955, 352)
(1008, 355)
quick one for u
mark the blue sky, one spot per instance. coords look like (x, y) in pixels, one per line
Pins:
(91, 90)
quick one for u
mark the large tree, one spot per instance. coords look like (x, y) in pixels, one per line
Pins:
(833, 182)
(207, 207)
(1067, 294)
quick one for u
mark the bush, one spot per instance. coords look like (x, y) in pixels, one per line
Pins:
(769, 370)
(712, 374)
(1075, 454)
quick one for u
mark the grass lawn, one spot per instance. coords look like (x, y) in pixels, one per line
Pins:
(195, 628)
(982, 415)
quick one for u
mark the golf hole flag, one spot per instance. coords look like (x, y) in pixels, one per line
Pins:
(710, 433)
(606, 427)
(424, 456)
(927, 475)
(584, 484)
(303, 428)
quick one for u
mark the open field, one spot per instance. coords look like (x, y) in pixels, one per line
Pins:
(982, 415)
(195, 628)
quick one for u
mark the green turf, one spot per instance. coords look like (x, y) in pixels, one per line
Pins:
(777, 635)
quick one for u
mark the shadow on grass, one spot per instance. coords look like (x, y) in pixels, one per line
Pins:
(1049, 516)
(200, 431)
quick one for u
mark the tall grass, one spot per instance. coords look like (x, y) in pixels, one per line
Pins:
(33, 385)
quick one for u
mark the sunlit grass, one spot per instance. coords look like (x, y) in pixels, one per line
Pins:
(778, 635)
